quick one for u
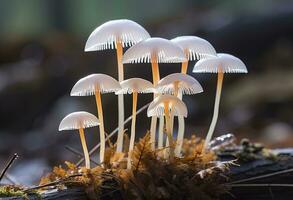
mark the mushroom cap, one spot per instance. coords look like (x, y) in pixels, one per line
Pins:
(77, 120)
(196, 47)
(138, 85)
(186, 84)
(88, 85)
(225, 63)
(106, 35)
(156, 108)
(165, 51)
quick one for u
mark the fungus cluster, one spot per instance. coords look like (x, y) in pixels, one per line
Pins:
(167, 92)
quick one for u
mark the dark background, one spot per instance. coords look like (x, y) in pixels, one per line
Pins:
(41, 57)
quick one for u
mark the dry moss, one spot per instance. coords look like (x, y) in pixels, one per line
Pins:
(194, 175)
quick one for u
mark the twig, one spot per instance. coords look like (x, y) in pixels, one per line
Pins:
(11, 179)
(261, 185)
(9, 163)
(263, 176)
(78, 153)
(52, 183)
(113, 132)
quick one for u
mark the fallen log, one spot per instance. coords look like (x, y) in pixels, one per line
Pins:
(260, 179)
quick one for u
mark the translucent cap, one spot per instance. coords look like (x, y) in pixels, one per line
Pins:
(225, 63)
(77, 120)
(105, 36)
(164, 50)
(138, 85)
(90, 84)
(156, 108)
(186, 84)
(195, 47)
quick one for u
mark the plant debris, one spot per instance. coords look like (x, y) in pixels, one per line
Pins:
(246, 151)
(152, 176)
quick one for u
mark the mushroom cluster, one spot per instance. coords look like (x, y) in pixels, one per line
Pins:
(167, 92)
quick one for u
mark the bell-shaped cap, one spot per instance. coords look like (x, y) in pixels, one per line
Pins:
(77, 120)
(88, 85)
(186, 84)
(163, 50)
(156, 108)
(105, 36)
(138, 85)
(225, 63)
(194, 47)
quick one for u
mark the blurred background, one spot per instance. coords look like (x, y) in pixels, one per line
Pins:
(41, 58)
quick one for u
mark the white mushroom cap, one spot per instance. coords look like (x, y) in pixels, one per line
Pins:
(156, 108)
(77, 120)
(225, 63)
(88, 85)
(196, 47)
(138, 85)
(106, 35)
(186, 84)
(165, 51)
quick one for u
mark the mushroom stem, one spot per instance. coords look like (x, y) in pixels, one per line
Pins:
(156, 78)
(180, 136)
(132, 136)
(216, 109)
(161, 136)
(153, 132)
(84, 147)
(101, 127)
(176, 90)
(168, 130)
(119, 50)
(155, 73)
(184, 67)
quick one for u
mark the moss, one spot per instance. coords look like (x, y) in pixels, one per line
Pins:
(152, 175)
(17, 191)
(12, 191)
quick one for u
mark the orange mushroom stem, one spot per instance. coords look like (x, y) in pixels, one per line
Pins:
(84, 147)
(119, 50)
(102, 129)
(168, 131)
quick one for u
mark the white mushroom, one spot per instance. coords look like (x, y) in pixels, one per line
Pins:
(223, 63)
(161, 106)
(97, 84)
(117, 34)
(177, 84)
(134, 86)
(154, 51)
(194, 48)
(80, 121)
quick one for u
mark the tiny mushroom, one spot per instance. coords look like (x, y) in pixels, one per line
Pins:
(117, 34)
(134, 86)
(194, 48)
(80, 121)
(223, 63)
(96, 84)
(161, 106)
(154, 51)
(176, 84)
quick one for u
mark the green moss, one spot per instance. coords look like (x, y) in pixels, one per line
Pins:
(16, 191)
(12, 191)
